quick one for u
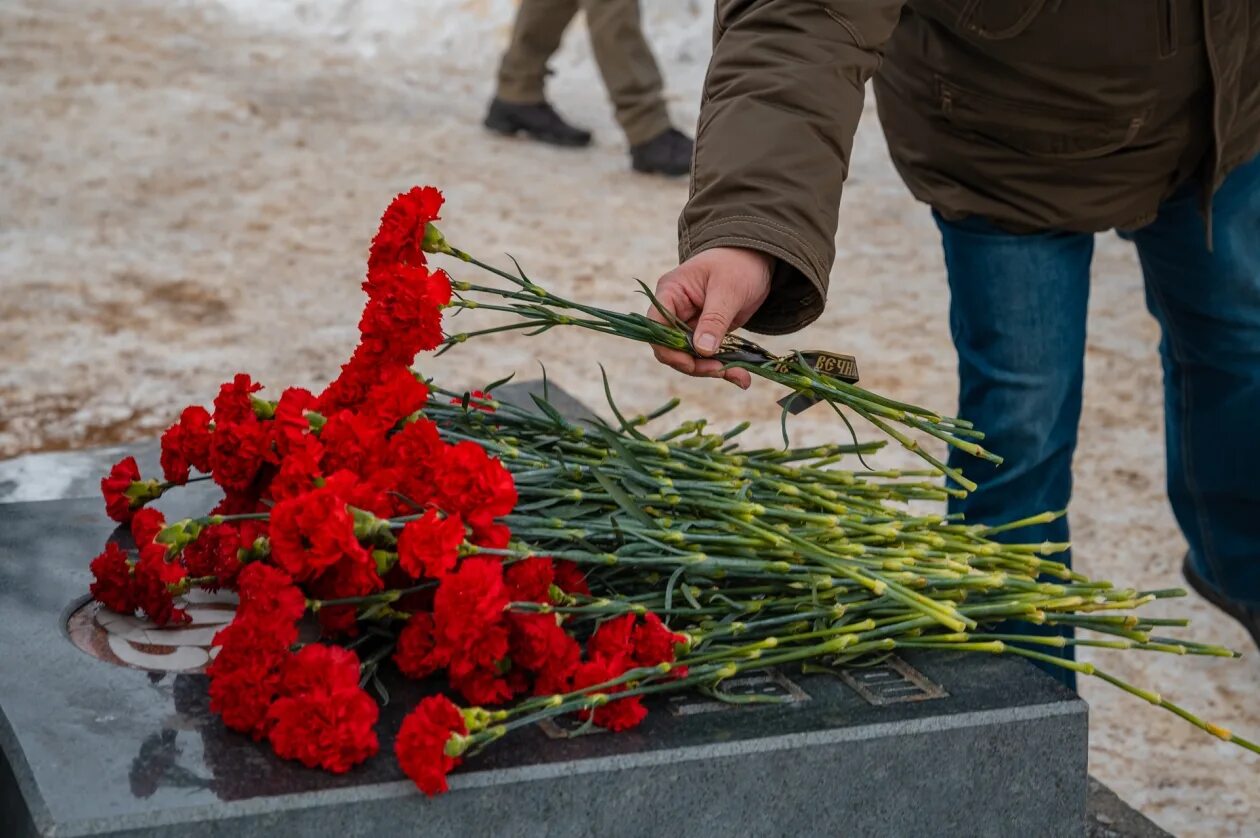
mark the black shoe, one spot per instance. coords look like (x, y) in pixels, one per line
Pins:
(538, 121)
(1249, 617)
(668, 153)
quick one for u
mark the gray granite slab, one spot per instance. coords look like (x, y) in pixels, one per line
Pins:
(1107, 816)
(91, 748)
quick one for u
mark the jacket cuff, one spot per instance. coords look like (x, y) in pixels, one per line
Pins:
(798, 280)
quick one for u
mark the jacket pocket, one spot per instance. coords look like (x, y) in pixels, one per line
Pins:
(1038, 130)
(989, 20)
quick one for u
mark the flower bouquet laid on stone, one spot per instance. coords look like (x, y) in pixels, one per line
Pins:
(528, 566)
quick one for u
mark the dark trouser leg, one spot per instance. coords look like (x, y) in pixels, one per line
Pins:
(1017, 314)
(628, 68)
(1208, 305)
(536, 35)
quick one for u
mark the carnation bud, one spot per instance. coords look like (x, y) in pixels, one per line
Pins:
(141, 492)
(263, 408)
(369, 528)
(435, 242)
(456, 745)
(385, 560)
(179, 534)
(477, 718)
(260, 549)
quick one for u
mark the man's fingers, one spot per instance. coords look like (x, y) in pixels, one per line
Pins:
(673, 298)
(691, 365)
(721, 304)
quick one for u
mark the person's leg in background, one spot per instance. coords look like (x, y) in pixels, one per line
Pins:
(1208, 305)
(520, 103)
(1017, 314)
(628, 68)
(634, 84)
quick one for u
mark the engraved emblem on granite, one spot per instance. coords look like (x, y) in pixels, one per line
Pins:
(138, 643)
(771, 685)
(892, 682)
(566, 727)
(768, 684)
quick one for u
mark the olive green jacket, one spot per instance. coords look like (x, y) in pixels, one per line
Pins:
(1037, 114)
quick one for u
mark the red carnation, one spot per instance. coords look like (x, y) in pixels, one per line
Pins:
(124, 491)
(299, 469)
(476, 486)
(353, 575)
(233, 405)
(289, 424)
(611, 642)
(242, 696)
(492, 536)
(653, 642)
(416, 450)
(112, 586)
(186, 444)
(249, 637)
(216, 552)
(429, 545)
(401, 232)
(269, 595)
(145, 525)
(570, 578)
(423, 740)
(417, 653)
(468, 611)
(530, 580)
(404, 313)
(245, 674)
(321, 717)
(621, 714)
(338, 621)
(241, 502)
(556, 677)
(319, 666)
(237, 451)
(351, 441)
(350, 386)
(153, 579)
(482, 685)
(312, 532)
(538, 642)
(398, 394)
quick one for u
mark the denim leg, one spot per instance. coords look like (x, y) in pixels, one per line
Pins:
(1017, 314)
(1207, 303)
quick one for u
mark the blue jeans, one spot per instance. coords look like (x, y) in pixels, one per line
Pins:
(1017, 314)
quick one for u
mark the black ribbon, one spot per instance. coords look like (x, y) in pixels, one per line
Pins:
(736, 348)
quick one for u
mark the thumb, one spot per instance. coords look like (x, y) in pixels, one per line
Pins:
(722, 303)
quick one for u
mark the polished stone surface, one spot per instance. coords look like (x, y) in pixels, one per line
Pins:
(992, 746)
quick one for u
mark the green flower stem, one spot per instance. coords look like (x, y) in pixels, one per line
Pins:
(392, 595)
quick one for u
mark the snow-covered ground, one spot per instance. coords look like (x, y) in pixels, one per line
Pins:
(187, 189)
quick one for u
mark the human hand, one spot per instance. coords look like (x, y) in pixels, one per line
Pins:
(713, 292)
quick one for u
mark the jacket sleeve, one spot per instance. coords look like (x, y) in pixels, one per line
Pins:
(781, 101)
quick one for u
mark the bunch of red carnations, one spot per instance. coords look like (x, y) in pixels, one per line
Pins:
(350, 506)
